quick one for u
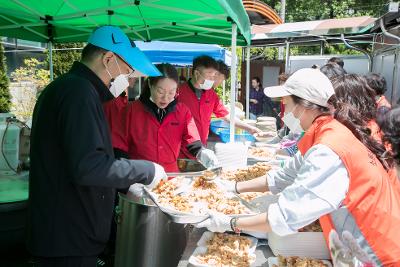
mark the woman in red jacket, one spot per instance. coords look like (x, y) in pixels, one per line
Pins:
(156, 125)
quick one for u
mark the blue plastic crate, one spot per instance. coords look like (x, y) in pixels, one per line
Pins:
(218, 126)
(224, 135)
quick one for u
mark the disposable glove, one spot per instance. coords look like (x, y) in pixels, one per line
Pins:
(229, 186)
(218, 222)
(136, 190)
(159, 175)
(347, 252)
(207, 158)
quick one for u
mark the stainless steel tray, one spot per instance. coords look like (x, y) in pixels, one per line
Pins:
(182, 218)
(217, 171)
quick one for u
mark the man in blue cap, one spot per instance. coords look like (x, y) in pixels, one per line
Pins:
(74, 172)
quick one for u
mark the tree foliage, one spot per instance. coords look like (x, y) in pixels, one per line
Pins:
(34, 71)
(32, 78)
(64, 55)
(306, 10)
(5, 96)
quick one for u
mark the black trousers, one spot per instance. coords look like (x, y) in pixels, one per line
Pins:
(66, 262)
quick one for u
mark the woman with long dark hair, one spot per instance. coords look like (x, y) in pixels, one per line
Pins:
(338, 176)
(353, 90)
(156, 125)
(391, 134)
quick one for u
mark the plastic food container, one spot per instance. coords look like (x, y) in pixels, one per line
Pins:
(242, 137)
(274, 261)
(302, 244)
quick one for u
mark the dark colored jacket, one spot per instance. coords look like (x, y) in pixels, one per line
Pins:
(73, 170)
(259, 95)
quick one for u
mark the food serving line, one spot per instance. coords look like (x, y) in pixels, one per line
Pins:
(155, 227)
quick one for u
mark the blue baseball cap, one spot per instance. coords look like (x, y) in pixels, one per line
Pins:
(113, 39)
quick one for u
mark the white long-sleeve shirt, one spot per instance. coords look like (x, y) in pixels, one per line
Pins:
(309, 187)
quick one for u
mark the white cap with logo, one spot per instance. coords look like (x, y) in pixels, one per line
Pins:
(309, 84)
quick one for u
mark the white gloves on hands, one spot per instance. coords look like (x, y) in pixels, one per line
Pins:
(159, 175)
(229, 186)
(347, 252)
(207, 158)
(218, 222)
(136, 190)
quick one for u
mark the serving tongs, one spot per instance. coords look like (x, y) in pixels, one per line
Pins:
(216, 171)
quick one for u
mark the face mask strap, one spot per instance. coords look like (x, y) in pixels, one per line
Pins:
(115, 58)
(301, 114)
(109, 74)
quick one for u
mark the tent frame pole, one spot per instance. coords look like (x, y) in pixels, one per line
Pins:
(50, 45)
(223, 92)
(233, 85)
(248, 82)
(287, 64)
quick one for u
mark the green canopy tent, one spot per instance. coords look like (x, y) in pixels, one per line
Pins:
(196, 21)
(221, 22)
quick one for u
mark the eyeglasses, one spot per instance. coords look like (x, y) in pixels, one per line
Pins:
(130, 74)
(163, 92)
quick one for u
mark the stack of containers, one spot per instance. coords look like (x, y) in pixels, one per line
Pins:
(231, 156)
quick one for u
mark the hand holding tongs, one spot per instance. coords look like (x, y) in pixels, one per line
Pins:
(215, 171)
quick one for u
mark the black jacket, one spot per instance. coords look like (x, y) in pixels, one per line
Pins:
(73, 172)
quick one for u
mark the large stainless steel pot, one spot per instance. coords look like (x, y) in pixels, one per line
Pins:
(145, 235)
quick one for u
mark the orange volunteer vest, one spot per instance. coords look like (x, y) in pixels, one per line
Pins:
(371, 208)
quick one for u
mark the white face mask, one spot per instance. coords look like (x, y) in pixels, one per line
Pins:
(207, 84)
(292, 122)
(120, 82)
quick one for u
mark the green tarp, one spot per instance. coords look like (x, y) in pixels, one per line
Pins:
(197, 21)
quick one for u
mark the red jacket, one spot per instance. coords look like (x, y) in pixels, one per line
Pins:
(202, 109)
(371, 208)
(114, 111)
(146, 138)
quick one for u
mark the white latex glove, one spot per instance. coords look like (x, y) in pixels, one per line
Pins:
(136, 190)
(347, 252)
(159, 175)
(229, 186)
(207, 158)
(218, 222)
